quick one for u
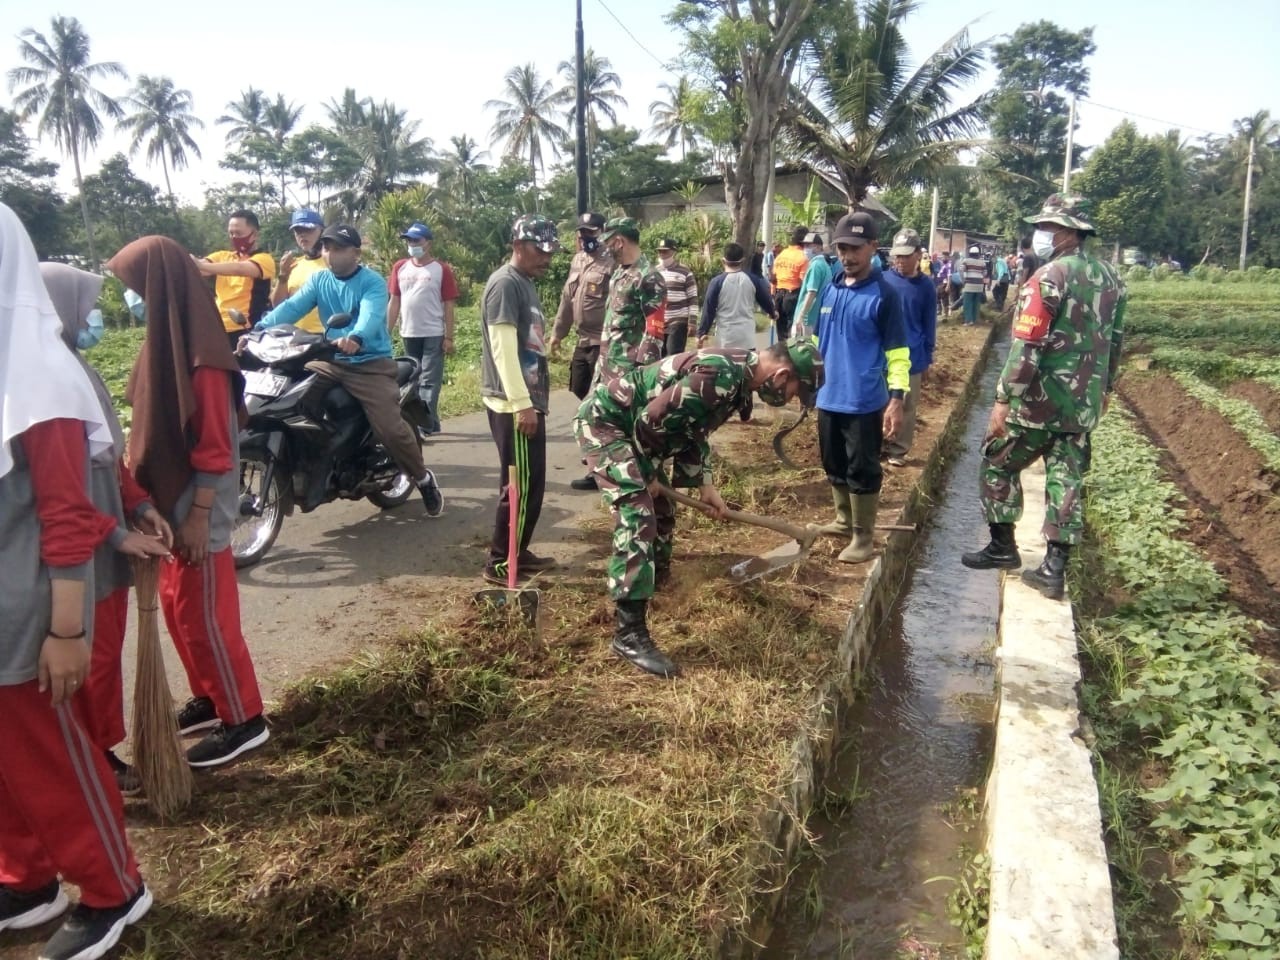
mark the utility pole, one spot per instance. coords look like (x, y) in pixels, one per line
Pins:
(933, 220)
(767, 229)
(580, 152)
(1248, 193)
(1071, 136)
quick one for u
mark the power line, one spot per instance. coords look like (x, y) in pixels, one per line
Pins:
(658, 60)
(1143, 116)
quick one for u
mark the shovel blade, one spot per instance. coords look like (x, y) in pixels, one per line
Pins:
(754, 568)
(526, 601)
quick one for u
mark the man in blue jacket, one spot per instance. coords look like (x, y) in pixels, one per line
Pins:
(363, 363)
(920, 314)
(860, 335)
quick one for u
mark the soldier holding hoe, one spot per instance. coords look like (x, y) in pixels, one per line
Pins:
(1054, 389)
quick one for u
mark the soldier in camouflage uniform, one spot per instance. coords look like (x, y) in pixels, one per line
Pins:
(631, 424)
(1053, 390)
(634, 324)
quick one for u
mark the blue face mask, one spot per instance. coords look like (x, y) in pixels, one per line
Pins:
(91, 335)
(417, 251)
(135, 305)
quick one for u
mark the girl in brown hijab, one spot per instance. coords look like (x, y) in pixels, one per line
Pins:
(186, 391)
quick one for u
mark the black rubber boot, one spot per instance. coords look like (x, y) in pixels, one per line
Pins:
(1049, 578)
(631, 640)
(1000, 554)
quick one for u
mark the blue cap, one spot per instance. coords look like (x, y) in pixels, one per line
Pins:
(306, 217)
(417, 231)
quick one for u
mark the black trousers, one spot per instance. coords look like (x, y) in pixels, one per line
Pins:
(582, 368)
(850, 447)
(677, 337)
(788, 300)
(529, 456)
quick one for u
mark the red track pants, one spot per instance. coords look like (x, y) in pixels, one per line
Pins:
(202, 609)
(102, 696)
(60, 810)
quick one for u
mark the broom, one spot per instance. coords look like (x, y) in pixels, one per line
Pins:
(157, 752)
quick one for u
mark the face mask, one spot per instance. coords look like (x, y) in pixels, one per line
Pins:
(242, 244)
(416, 252)
(590, 244)
(810, 253)
(91, 335)
(135, 305)
(1042, 244)
(772, 394)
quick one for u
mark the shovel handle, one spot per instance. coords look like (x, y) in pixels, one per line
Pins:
(780, 526)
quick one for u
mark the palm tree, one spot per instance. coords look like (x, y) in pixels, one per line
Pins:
(462, 165)
(348, 114)
(601, 83)
(1251, 132)
(164, 115)
(870, 120)
(246, 116)
(524, 120)
(61, 90)
(675, 117)
(392, 152)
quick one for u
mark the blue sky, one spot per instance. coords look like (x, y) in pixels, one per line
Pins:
(1178, 63)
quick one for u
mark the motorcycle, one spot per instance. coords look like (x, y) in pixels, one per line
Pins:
(307, 441)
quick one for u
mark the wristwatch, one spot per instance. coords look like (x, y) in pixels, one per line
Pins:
(897, 394)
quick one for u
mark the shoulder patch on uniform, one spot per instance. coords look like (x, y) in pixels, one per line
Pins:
(1034, 317)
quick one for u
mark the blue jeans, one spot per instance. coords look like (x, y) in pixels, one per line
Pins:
(429, 352)
(971, 301)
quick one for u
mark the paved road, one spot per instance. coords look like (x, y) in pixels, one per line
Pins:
(339, 577)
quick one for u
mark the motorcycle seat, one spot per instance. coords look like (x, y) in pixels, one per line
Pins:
(406, 367)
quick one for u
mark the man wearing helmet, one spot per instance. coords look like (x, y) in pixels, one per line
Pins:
(1052, 392)
(515, 387)
(629, 425)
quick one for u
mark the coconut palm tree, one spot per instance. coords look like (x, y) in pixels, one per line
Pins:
(462, 165)
(602, 95)
(164, 119)
(393, 154)
(245, 117)
(871, 120)
(674, 118)
(58, 85)
(524, 120)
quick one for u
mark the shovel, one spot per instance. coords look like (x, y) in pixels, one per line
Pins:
(776, 559)
(526, 600)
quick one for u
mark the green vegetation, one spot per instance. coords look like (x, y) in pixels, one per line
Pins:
(1186, 725)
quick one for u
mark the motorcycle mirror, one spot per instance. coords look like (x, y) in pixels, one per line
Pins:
(338, 321)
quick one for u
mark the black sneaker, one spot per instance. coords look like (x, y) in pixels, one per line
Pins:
(497, 573)
(18, 911)
(432, 498)
(89, 932)
(226, 743)
(532, 563)
(585, 483)
(198, 713)
(127, 778)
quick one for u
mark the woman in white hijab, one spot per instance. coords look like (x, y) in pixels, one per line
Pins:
(61, 815)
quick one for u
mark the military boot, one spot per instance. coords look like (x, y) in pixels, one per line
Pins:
(1000, 554)
(1049, 577)
(843, 523)
(861, 547)
(631, 640)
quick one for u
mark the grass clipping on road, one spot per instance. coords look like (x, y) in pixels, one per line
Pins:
(469, 791)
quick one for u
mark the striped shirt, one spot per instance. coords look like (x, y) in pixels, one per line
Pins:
(975, 274)
(682, 292)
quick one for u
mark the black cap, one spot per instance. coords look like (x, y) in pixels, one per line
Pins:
(668, 243)
(342, 234)
(591, 221)
(856, 229)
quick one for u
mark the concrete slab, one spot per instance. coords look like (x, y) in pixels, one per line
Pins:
(1050, 885)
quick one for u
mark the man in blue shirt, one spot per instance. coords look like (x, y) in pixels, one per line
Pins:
(362, 363)
(860, 335)
(920, 314)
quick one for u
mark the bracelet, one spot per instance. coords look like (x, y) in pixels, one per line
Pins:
(75, 636)
(200, 506)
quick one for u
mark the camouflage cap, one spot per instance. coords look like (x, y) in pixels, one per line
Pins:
(622, 225)
(1067, 210)
(905, 243)
(809, 368)
(537, 230)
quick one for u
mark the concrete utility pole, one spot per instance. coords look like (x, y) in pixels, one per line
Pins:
(1248, 193)
(580, 151)
(767, 229)
(1071, 136)
(933, 220)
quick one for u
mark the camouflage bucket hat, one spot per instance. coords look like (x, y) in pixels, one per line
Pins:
(537, 230)
(1067, 210)
(623, 225)
(809, 368)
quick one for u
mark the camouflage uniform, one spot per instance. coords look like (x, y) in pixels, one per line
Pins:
(630, 424)
(634, 324)
(1061, 364)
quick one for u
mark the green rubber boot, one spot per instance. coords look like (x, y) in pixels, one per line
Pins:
(862, 547)
(843, 523)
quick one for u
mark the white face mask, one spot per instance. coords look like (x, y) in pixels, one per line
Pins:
(1042, 244)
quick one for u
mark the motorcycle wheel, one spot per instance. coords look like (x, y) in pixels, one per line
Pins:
(394, 495)
(252, 536)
